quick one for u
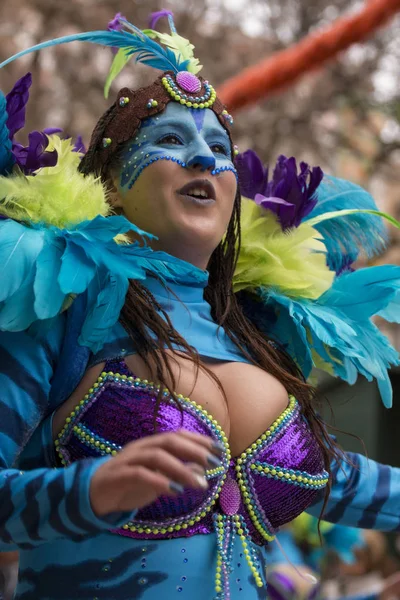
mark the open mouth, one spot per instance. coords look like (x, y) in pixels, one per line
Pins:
(200, 190)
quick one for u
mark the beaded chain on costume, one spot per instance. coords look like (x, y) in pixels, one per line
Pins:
(231, 507)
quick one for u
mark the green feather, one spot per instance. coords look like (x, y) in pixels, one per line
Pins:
(120, 60)
(180, 46)
(59, 196)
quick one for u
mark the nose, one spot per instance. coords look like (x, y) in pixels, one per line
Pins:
(204, 162)
(201, 157)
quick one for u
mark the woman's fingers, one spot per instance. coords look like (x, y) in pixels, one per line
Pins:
(174, 469)
(206, 441)
(182, 447)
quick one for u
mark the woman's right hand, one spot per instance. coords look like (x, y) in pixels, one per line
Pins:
(150, 467)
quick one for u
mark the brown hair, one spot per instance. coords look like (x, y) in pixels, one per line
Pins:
(142, 313)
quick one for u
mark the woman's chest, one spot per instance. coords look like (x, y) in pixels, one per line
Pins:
(243, 399)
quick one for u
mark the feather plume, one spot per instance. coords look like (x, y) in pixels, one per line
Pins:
(134, 42)
(347, 236)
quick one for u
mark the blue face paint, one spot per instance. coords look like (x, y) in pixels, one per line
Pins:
(186, 136)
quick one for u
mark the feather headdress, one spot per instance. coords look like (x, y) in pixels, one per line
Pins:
(176, 56)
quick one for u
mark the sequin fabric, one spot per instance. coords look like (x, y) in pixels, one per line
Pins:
(251, 496)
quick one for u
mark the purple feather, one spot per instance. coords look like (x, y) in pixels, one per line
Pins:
(289, 195)
(253, 176)
(34, 156)
(16, 102)
(51, 130)
(79, 146)
(155, 16)
(116, 24)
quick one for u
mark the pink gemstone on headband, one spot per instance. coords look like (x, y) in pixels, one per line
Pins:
(229, 498)
(188, 82)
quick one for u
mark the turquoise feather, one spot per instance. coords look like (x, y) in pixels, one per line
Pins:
(6, 156)
(19, 249)
(77, 269)
(346, 236)
(44, 266)
(49, 297)
(105, 313)
(338, 327)
(147, 51)
(392, 311)
(18, 312)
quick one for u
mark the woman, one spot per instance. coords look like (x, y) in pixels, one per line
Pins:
(173, 486)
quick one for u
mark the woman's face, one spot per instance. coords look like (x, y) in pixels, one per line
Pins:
(177, 181)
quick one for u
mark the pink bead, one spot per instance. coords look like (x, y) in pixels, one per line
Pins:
(188, 82)
(230, 497)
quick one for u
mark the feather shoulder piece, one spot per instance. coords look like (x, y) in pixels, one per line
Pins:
(57, 241)
(295, 279)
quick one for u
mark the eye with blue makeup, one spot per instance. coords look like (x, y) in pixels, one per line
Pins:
(185, 136)
(173, 139)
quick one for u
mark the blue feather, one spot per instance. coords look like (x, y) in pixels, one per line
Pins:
(19, 248)
(147, 50)
(43, 266)
(345, 237)
(77, 269)
(392, 311)
(6, 156)
(48, 296)
(105, 229)
(18, 312)
(105, 313)
(338, 327)
(365, 292)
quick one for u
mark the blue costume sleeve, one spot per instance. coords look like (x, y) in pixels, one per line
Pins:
(39, 505)
(368, 597)
(364, 494)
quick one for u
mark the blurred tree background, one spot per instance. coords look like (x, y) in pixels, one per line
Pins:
(345, 117)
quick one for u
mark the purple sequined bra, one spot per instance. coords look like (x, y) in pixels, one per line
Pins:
(270, 484)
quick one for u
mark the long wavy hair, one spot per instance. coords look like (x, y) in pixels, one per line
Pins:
(142, 313)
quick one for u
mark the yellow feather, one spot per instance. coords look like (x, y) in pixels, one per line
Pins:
(292, 261)
(58, 195)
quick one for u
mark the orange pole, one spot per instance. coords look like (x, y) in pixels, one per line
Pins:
(286, 66)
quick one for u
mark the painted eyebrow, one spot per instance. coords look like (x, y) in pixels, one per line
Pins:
(217, 132)
(173, 123)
